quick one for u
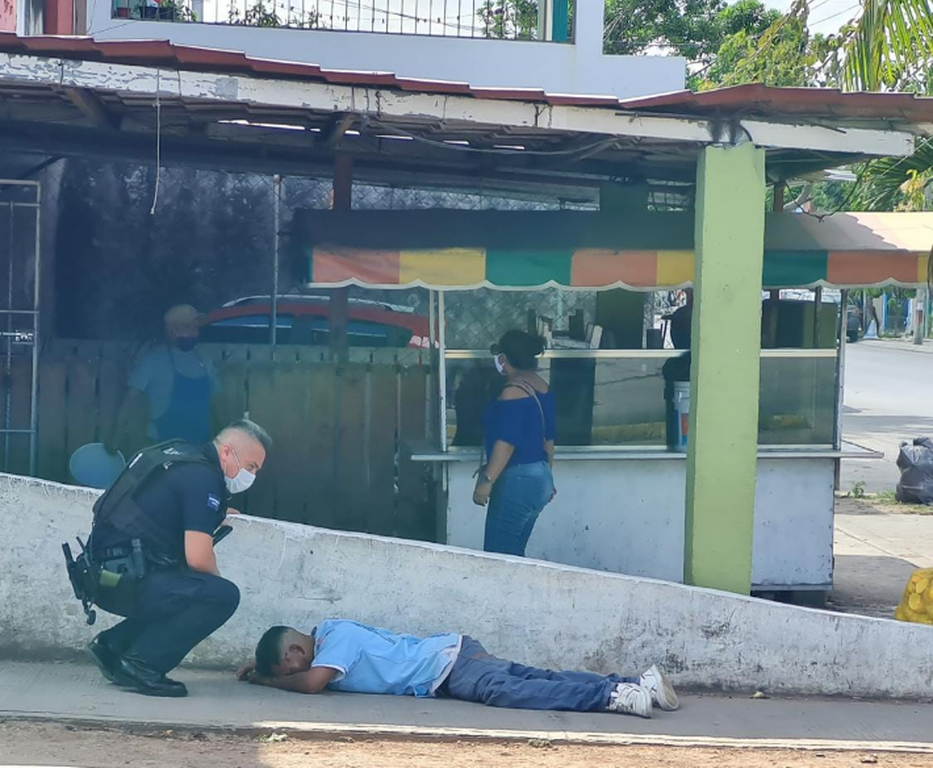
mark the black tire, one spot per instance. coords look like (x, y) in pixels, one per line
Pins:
(852, 336)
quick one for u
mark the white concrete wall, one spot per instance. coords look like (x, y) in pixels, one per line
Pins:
(628, 517)
(578, 68)
(540, 613)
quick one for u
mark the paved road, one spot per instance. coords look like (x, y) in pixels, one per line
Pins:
(888, 398)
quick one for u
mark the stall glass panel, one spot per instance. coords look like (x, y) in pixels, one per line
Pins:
(625, 399)
(600, 400)
(476, 319)
(798, 398)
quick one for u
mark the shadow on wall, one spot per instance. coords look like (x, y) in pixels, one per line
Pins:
(117, 268)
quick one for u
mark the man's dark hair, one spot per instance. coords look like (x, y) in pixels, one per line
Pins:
(269, 650)
(251, 429)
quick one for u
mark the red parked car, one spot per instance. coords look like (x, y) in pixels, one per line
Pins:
(305, 320)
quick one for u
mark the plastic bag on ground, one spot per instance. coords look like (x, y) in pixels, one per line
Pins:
(916, 464)
(917, 603)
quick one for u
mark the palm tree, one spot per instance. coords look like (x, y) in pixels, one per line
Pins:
(889, 47)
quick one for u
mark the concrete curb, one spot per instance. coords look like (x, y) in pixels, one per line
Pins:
(337, 731)
(907, 346)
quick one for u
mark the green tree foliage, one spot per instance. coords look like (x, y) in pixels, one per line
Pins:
(694, 29)
(780, 55)
(900, 183)
(887, 46)
(510, 19)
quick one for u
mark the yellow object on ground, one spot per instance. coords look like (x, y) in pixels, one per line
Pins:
(917, 603)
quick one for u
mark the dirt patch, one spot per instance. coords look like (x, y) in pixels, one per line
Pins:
(45, 745)
(878, 504)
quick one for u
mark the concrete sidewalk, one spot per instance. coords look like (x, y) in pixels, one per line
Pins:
(875, 553)
(63, 692)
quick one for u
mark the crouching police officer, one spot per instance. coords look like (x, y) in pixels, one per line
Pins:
(152, 554)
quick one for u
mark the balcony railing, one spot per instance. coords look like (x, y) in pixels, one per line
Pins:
(487, 19)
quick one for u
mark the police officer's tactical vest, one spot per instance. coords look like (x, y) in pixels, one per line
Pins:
(118, 507)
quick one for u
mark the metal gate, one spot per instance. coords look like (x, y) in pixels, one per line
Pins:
(19, 323)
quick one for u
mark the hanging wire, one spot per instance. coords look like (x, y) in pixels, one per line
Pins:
(158, 106)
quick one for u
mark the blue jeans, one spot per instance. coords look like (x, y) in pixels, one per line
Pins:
(517, 498)
(479, 677)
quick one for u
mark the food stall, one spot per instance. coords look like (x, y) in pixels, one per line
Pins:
(560, 212)
(582, 281)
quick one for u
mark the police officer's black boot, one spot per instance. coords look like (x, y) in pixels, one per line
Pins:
(134, 673)
(105, 657)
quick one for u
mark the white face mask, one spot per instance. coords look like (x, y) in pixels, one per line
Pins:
(242, 480)
(499, 366)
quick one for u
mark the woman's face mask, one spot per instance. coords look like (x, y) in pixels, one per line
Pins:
(498, 363)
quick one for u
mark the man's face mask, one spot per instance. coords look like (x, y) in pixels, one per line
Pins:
(498, 363)
(186, 343)
(243, 479)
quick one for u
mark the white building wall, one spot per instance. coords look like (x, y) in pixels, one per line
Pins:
(559, 68)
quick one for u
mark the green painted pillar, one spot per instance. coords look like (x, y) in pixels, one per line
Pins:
(726, 346)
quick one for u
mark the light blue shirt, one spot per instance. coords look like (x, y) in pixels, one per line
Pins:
(370, 660)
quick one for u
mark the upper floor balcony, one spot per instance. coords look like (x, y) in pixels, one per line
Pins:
(552, 45)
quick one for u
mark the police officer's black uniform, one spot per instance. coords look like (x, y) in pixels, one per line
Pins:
(171, 608)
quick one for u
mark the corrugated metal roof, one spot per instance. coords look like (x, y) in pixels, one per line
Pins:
(744, 100)
(759, 99)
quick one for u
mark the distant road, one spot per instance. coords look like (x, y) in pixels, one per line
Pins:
(888, 398)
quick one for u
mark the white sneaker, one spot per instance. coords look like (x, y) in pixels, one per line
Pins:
(630, 699)
(662, 691)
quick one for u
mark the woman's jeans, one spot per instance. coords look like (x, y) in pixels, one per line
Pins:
(517, 498)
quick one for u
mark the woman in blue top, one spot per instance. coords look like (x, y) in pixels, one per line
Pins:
(516, 481)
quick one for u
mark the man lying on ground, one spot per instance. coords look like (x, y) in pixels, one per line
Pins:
(351, 657)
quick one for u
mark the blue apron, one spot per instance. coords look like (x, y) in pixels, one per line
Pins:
(188, 416)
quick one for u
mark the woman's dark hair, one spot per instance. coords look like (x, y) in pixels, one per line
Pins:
(521, 349)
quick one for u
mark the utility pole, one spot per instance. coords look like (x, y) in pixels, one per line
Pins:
(920, 315)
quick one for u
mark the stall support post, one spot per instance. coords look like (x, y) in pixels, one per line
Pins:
(920, 309)
(726, 351)
(276, 225)
(340, 297)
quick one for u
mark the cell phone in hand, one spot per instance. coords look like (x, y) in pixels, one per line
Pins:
(221, 533)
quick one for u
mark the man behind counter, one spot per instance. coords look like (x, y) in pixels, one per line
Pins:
(181, 598)
(175, 382)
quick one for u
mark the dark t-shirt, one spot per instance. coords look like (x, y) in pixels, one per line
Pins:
(185, 497)
(519, 423)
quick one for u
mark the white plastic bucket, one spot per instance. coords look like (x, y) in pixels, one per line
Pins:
(681, 413)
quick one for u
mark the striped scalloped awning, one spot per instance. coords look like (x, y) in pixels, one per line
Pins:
(844, 251)
(465, 268)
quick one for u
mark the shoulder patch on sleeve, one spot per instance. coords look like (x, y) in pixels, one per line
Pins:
(213, 502)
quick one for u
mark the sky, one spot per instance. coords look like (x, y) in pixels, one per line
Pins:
(826, 16)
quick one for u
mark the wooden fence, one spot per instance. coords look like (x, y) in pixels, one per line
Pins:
(338, 429)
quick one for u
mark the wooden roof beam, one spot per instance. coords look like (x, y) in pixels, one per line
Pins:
(89, 104)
